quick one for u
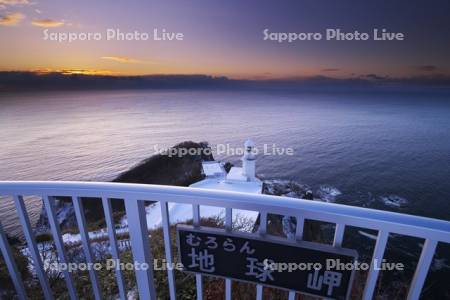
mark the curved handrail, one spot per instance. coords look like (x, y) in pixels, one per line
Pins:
(405, 224)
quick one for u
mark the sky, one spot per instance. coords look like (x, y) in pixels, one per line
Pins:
(225, 38)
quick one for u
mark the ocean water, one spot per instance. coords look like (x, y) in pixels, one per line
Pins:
(387, 150)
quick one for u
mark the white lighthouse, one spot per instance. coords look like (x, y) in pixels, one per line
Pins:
(239, 179)
(249, 161)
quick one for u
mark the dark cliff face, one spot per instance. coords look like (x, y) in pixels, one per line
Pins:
(180, 165)
(167, 168)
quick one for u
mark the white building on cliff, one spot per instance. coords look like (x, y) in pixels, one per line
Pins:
(239, 179)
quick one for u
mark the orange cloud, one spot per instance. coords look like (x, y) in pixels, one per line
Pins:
(87, 72)
(14, 2)
(11, 19)
(122, 59)
(47, 23)
(74, 71)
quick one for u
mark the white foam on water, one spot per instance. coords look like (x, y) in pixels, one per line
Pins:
(394, 201)
(328, 193)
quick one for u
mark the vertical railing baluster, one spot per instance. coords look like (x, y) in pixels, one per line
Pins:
(338, 235)
(168, 248)
(291, 295)
(198, 277)
(196, 215)
(261, 231)
(338, 238)
(299, 228)
(32, 247)
(140, 246)
(228, 228)
(426, 257)
(11, 265)
(57, 238)
(298, 236)
(378, 253)
(81, 220)
(107, 208)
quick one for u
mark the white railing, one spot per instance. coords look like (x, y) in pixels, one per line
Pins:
(433, 231)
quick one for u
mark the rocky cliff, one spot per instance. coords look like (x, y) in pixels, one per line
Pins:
(166, 168)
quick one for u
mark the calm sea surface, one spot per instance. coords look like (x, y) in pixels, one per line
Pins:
(369, 147)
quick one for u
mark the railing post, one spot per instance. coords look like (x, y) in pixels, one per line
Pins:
(262, 232)
(11, 265)
(168, 248)
(338, 235)
(31, 242)
(140, 246)
(107, 208)
(298, 237)
(198, 277)
(299, 228)
(57, 238)
(426, 257)
(228, 228)
(378, 253)
(81, 220)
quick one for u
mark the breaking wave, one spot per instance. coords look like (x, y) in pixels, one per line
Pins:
(328, 193)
